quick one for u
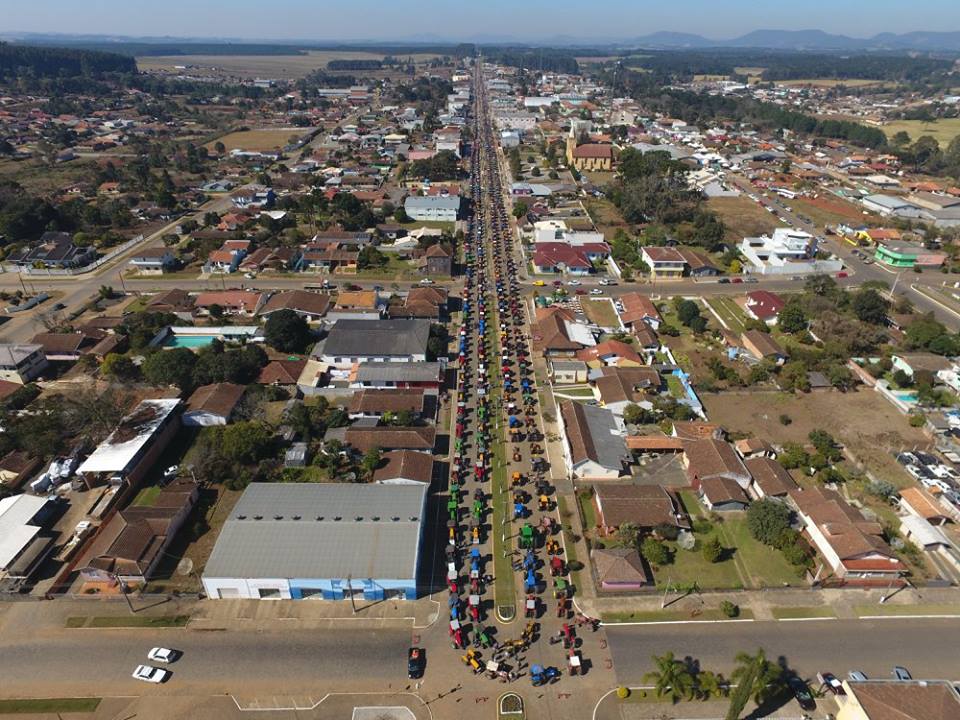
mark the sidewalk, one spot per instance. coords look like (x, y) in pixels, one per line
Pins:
(309, 614)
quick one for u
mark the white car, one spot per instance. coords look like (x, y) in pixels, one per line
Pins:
(150, 674)
(164, 655)
(426, 281)
(605, 281)
(171, 471)
(573, 283)
(596, 291)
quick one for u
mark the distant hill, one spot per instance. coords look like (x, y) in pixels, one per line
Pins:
(805, 40)
(54, 62)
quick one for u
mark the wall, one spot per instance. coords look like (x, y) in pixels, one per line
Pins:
(246, 589)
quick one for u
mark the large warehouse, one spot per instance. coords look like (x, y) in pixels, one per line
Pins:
(293, 541)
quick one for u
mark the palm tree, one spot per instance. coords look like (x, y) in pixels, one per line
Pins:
(709, 684)
(671, 678)
(762, 676)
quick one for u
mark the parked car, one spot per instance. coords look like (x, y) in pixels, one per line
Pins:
(842, 274)
(58, 306)
(724, 281)
(539, 283)
(901, 673)
(856, 676)
(164, 655)
(426, 281)
(596, 291)
(573, 283)
(802, 693)
(415, 663)
(607, 281)
(831, 683)
(557, 283)
(150, 674)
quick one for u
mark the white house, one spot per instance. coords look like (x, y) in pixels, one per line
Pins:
(433, 208)
(788, 251)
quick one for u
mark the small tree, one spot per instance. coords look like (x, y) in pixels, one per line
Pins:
(371, 461)
(671, 679)
(119, 367)
(287, 331)
(712, 550)
(654, 552)
(767, 519)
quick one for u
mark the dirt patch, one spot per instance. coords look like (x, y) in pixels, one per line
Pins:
(742, 217)
(830, 210)
(259, 140)
(866, 424)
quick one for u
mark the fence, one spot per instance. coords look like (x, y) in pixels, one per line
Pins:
(69, 272)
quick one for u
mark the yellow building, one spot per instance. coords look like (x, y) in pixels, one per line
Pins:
(590, 156)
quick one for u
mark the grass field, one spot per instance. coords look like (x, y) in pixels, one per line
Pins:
(833, 82)
(280, 67)
(764, 566)
(831, 210)
(867, 610)
(728, 309)
(672, 615)
(48, 706)
(602, 312)
(742, 217)
(942, 130)
(258, 140)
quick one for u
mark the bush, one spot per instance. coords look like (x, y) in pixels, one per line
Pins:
(655, 552)
(729, 609)
(768, 520)
(795, 554)
(702, 526)
(712, 551)
(918, 420)
(667, 532)
(623, 692)
(785, 419)
(574, 566)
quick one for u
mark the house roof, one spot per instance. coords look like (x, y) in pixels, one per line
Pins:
(763, 343)
(320, 531)
(13, 355)
(592, 433)
(281, 372)
(922, 503)
(624, 384)
(176, 299)
(133, 433)
(593, 150)
(912, 700)
(406, 465)
(16, 532)
(709, 458)
(550, 331)
(696, 430)
(66, 343)
(392, 438)
(232, 299)
(764, 304)
(722, 490)
(619, 566)
(925, 361)
(653, 443)
(387, 400)
(638, 307)
(609, 348)
(217, 399)
(663, 254)
(301, 301)
(771, 476)
(643, 505)
(365, 338)
(398, 372)
(357, 299)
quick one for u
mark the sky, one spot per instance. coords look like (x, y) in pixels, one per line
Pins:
(457, 19)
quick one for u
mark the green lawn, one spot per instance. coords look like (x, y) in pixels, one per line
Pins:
(588, 512)
(672, 615)
(765, 566)
(575, 392)
(49, 706)
(727, 309)
(127, 621)
(601, 312)
(790, 613)
(675, 387)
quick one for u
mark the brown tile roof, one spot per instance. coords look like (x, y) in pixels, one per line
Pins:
(175, 299)
(771, 476)
(357, 299)
(923, 503)
(619, 566)
(625, 384)
(897, 700)
(246, 300)
(607, 348)
(388, 400)
(67, 343)
(218, 398)
(310, 303)
(644, 505)
(752, 445)
(696, 430)
(695, 259)
(281, 372)
(392, 438)
(710, 458)
(8, 388)
(762, 342)
(550, 333)
(721, 489)
(406, 464)
(593, 150)
(653, 443)
(636, 307)
(663, 254)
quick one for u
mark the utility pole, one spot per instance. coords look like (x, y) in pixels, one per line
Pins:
(123, 591)
(353, 603)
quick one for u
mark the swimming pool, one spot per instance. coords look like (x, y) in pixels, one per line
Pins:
(189, 341)
(905, 396)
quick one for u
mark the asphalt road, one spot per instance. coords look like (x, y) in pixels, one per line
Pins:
(928, 648)
(284, 662)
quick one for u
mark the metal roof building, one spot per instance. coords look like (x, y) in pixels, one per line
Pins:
(302, 540)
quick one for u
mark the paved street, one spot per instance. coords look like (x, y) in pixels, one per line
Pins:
(927, 647)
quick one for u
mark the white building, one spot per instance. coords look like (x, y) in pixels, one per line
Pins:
(789, 251)
(435, 208)
(21, 363)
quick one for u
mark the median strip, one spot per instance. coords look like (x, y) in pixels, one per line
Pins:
(644, 617)
(48, 705)
(123, 621)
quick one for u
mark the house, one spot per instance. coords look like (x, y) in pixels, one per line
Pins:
(21, 363)
(433, 208)
(25, 537)
(610, 353)
(762, 346)
(53, 250)
(646, 506)
(697, 430)
(16, 467)
(405, 467)
(364, 438)
(231, 302)
(375, 403)
(153, 260)
(594, 446)
(296, 455)
(375, 374)
(664, 262)
(276, 259)
(437, 260)
(619, 569)
(558, 257)
(921, 503)
(212, 404)
(302, 540)
(134, 447)
(135, 540)
(899, 700)
(619, 387)
(908, 256)
(721, 494)
(787, 251)
(754, 447)
(556, 334)
(310, 306)
(850, 545)
(283, 373)
(639, 308)
(921, 362)
(712, 458)
(698, 264)
(67, 347)
(764, 306)
(421, 302)
(176, 302)
(356, 305)
(255, 196)
(568, 372)
(350, 342)
(770, 478)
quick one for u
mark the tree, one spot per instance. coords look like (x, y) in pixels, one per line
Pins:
(793, 376)
(712, 550)
(287, 331)
(709, 684)
(400, 215)
(671, 679)
(245, 442)
(870, 306)
(767, 519)
(687, 310)
(759, 675)
(105, 292)
(220, 148)
(825, 444)
(627, 534)
(371, 461)
(654, 552)
(741, 693)
(635, 415)
(821, 285)
(119, 367)
(170, 367)
(792, 319)
(520, 209)
(840, 377)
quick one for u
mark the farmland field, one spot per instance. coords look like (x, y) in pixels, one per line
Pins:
(942, 130)
(259, 140)
(280, 67)
(833, 82)
(830, 210)
(742, 217)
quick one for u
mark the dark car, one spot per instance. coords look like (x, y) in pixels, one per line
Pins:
(724, 281)
(802, 693)
(416, 661)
